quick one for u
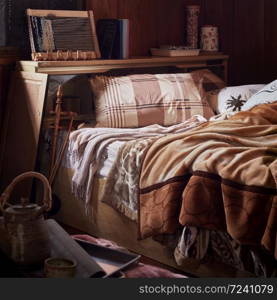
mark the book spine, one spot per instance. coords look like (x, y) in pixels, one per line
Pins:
(126, 38)
(106, 32)
(116, 46)
(123, 39)
(121, 46)
(121, 43)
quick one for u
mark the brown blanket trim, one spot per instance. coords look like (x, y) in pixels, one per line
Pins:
(157, 186)
(236, 185)
(213, 217)
(244, 214)
(184, 178)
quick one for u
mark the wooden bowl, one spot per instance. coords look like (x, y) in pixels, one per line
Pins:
(59, 268)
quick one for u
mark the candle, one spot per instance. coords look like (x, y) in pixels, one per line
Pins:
(209, 38)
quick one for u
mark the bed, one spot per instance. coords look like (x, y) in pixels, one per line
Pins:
(167, 183)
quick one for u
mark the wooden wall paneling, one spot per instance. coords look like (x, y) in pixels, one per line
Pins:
(247, 30)
(104, 8)
(143, 15)
(22, 125)
(152, 23)
(270, 41)
(220, 13)
(248, 47)
(171, 23)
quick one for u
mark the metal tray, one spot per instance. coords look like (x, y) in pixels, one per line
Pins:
(111, 260)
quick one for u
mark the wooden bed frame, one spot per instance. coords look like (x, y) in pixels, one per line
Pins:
(105, 222)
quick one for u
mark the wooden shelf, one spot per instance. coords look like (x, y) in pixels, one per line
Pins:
(100, 66)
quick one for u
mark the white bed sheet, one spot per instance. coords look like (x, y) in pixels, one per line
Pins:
(109, 158)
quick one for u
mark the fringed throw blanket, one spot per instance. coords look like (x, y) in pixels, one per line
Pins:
(121, 192)
(87, 145)
(221, 175)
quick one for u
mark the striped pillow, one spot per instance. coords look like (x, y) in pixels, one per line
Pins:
(141, 100)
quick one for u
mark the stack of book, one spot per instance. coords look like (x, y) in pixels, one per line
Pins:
(113, 37)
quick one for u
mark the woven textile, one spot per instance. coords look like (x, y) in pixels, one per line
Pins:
(141, 100)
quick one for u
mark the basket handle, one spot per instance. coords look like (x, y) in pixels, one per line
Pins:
(47, 195)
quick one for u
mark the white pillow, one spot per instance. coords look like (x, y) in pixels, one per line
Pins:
(231, 99)
(267, 94)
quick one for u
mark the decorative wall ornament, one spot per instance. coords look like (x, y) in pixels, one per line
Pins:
(192, 25)
(209, 38)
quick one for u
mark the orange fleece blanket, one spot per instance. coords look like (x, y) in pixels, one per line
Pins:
(221, 175)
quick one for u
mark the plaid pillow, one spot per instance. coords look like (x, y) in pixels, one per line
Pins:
(141, 100)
